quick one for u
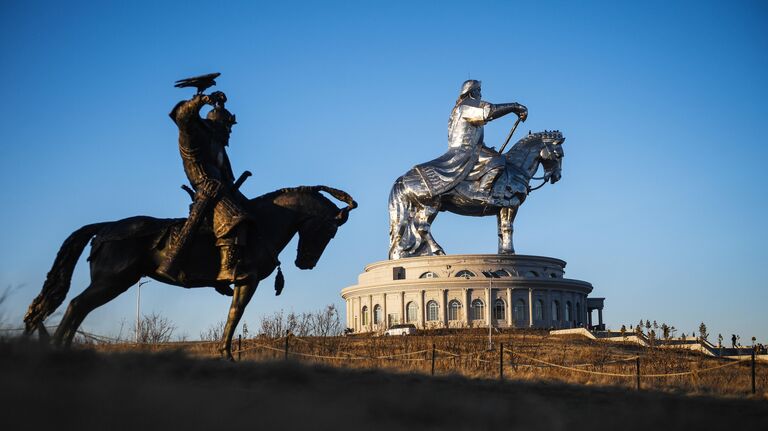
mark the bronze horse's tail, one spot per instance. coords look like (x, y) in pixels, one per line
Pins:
(59, 278)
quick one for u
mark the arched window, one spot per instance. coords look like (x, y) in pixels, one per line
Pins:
(502, 273)
(377, 317)
(520, 310)
(555, 311)
(531, 274)
(568, 312)
(411, 311)
(552, 275)
(454, 310)
(465, 273)
(476, 311)
(428, 274)
(538, 310)
(365, 315)
(432, 310)
(499, 309)
(578, 312)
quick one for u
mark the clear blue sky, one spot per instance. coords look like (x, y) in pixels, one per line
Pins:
(662, 205)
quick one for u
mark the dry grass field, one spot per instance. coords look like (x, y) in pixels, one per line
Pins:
(85, 388)
(532, 356)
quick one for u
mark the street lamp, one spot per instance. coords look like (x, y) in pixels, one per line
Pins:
(490, 275)
(138, 307)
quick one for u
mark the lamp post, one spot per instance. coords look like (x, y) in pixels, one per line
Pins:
(490, 275)
(490, 316)
(138, 307)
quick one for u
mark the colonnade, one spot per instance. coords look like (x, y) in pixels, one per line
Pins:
(536, 308)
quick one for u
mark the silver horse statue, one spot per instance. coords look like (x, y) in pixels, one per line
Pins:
(470, 179)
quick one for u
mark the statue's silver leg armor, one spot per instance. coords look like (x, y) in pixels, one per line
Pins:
(425, 218)
(505, 219)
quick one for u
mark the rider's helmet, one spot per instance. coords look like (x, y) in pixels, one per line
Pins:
(221, 116)
(468, 86)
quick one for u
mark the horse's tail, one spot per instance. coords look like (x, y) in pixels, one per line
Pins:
(402, 231)
(59, 277)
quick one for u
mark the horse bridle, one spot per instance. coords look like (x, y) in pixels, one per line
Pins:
(544, 177)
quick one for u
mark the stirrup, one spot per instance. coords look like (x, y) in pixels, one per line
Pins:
(168, 270)
(233, 277)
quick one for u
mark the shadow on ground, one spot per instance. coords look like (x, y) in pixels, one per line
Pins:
(83, 390)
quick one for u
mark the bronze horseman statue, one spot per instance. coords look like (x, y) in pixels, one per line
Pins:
(226, 238)
(202, 144)
(470, 178)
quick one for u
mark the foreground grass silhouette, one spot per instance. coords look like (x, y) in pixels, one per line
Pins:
(83, 389)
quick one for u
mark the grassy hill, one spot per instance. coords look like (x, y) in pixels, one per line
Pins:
(88, 389)
(528, 356)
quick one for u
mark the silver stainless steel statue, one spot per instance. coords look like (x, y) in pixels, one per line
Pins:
(470, 178)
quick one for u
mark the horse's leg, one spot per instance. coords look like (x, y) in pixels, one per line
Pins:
(404, 237)
(425, 217)
(106, 285)
(240, 299)
(505, 218)
(96, 295)
(92, 297)
(70, 322)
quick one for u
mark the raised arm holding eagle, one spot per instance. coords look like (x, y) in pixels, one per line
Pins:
(202, 145)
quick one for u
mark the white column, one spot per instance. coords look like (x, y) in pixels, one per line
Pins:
(530, 307)
(384, 309)
(359, 310)
(402, 307)
(467, 296)
(509, 308)
(445, 307)
(423, 308)
(369, 323)
(350, 314)
(488, 306)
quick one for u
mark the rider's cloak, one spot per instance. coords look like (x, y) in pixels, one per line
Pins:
(467, 156)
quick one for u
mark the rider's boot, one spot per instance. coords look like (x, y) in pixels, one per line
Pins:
(487, 180)
(169, 268)
(177, 244)
(230, 270)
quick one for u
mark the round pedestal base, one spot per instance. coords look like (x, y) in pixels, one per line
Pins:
(466, 290)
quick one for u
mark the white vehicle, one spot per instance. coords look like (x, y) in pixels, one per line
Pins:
(404, 329)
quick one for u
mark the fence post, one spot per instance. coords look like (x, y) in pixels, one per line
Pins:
(637, 366)
(433, 359)
(501, 362)
(753, 371)
(239, 346)
(287, 337)
(512, 357)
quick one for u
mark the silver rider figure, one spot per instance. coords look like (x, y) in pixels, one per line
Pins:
(467, 157)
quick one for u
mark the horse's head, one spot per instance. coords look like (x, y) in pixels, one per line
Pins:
(320, 221)
(551, 154)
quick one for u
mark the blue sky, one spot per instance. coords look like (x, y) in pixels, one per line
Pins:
(662, 205)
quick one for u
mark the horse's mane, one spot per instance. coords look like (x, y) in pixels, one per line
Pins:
(537, 137)
(336, 193)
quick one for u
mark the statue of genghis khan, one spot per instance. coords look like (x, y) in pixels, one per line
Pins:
(467, 157)
(202, 145)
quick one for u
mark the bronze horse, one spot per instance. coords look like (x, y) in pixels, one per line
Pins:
(124, 251)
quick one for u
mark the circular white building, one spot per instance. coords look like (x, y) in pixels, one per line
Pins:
(469, 290)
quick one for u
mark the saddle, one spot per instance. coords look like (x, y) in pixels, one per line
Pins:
(137, 227)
